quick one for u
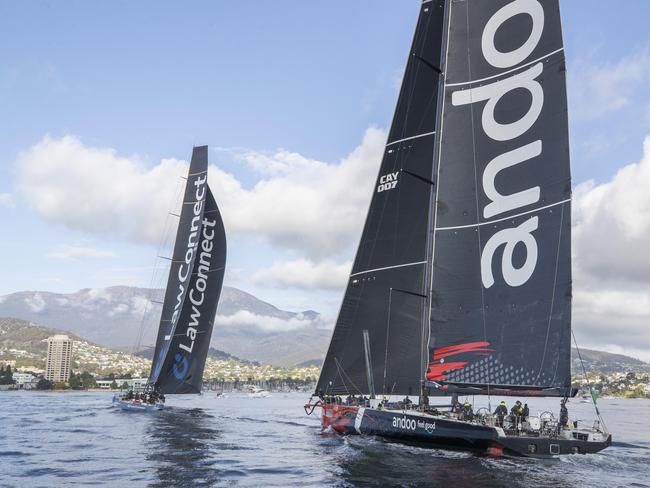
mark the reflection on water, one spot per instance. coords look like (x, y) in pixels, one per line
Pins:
(61, 439)
(181, 444)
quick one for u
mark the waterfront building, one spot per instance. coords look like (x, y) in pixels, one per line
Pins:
(24, 381)
(134, 383)
(59, 358)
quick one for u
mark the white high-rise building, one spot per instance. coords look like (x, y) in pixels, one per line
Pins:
(59, 358)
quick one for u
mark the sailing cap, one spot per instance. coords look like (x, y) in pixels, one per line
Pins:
(503, 402)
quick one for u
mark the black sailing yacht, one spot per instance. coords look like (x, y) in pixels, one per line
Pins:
(462, 280)
(191, 297)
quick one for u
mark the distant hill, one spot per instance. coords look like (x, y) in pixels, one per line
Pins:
(121, 317)
(212, 353)
(247, 328)
(27, 336)
(605, 362)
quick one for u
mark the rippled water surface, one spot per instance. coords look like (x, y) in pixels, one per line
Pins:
(77, 439)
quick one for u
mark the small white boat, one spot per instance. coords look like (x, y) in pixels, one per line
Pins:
(256, 392)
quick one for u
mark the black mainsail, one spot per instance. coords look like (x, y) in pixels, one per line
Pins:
(463, 273)
(386, 290)
(501, 283)
(193, 287)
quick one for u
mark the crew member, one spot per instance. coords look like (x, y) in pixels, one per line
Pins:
(564, 413)
(468, 412)
(516, 412)
(501, 411)
(525, 413)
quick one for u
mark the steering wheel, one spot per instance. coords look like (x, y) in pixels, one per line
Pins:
(547, 417)
(482, 412)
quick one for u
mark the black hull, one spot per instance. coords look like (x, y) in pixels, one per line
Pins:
(439, 432)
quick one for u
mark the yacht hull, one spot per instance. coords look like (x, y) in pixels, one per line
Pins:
(136, 406)
(434, 431)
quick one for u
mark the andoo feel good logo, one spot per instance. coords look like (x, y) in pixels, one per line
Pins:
(511, 82)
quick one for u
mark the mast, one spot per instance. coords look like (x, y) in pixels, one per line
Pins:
(501, 274)
(386, 291)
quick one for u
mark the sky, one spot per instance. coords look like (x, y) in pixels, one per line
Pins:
(101, 104)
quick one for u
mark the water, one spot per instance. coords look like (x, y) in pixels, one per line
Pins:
(76, 439)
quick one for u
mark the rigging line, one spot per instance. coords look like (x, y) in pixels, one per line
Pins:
(342, 372)
(550, 314)
(162, 243)
(174, 197)
(476, 186)
(489, 222)
(584, 372)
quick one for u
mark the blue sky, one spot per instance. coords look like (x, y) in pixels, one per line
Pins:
(148, 80)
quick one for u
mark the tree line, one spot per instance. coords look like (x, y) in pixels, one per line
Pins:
(6, 375)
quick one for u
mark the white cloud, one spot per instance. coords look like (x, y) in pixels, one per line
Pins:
(35, 302)
(98, 295)
(299, 203)
(95, 190)
(303, 273)
(612, 224)
(611, 236)
(7, 200)
(303, 204)
(140, 305)
(118, 309)
(601, 87)
(244, 318)
(78, 253)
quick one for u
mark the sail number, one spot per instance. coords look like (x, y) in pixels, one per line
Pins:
(387, 182)
(491, 94)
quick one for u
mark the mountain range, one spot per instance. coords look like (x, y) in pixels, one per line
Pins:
(127, 318)
(247, 328)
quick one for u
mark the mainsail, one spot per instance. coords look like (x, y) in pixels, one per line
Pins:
(193, 288)
(501, 284)
(463, 273)
(386, 290)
